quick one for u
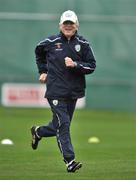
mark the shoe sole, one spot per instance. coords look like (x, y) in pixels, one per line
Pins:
(77, 167)
(33, 138)
(32, 130)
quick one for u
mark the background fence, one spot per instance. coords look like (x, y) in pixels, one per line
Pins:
(109, 25)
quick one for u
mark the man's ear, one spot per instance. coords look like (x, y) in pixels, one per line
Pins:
(60, 27)
(77, 26)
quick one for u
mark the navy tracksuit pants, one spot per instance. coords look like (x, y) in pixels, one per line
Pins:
(60, 126)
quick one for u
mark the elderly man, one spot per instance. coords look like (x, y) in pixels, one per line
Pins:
(63, 60)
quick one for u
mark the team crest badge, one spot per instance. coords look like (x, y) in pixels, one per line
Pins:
(77, 47)
(55, 102)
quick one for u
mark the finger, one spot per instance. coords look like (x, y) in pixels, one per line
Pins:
(42, 81)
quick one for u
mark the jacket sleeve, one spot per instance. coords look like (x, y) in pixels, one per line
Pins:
(40, 54)
(88, 63)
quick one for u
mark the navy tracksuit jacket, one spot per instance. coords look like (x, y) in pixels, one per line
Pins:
(64, 85)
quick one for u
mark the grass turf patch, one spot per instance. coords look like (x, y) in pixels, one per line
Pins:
(114, 158)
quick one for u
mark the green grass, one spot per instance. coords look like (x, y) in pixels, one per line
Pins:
(114, 158)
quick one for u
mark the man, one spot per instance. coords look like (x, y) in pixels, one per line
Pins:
(63, 60)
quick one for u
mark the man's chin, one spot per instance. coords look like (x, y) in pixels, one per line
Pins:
(69, 33)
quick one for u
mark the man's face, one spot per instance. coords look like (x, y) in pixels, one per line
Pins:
(68, 28)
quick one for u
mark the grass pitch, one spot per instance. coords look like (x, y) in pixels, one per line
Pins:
(114, 158)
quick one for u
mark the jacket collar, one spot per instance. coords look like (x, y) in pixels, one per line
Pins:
(65, 38)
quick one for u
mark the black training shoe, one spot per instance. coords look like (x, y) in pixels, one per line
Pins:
(35, 138)
(74, 166)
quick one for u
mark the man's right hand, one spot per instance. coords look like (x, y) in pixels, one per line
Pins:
(43, 78)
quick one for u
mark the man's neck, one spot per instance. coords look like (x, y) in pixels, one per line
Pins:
(69, 37)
